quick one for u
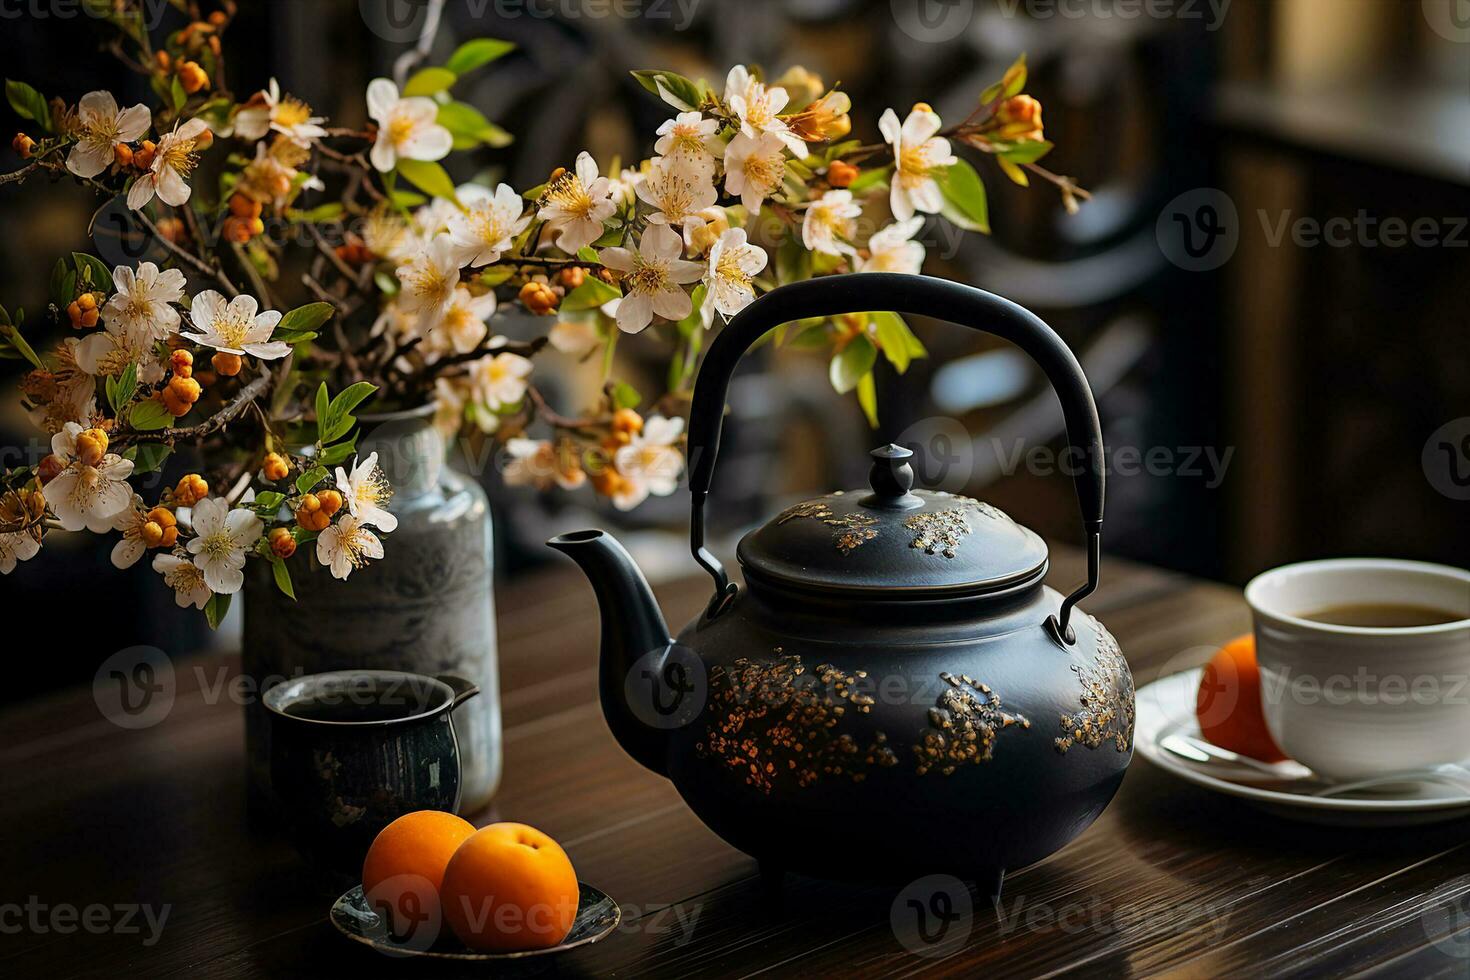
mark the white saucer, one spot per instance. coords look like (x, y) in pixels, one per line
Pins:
(1166, 707)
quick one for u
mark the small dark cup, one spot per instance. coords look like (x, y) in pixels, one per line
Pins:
(353, 750)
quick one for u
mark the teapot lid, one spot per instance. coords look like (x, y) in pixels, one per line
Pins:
(893, 542)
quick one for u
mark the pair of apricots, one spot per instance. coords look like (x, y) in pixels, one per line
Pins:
(503, 888)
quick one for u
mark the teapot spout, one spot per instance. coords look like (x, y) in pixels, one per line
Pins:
(632, 627)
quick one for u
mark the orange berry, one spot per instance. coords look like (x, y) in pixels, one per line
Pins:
(1228, 706)
(275, 467)
(152, 534)
(538, 297)
(226, 363)
(331, 501)
(309, 513)
(243, 206)
(237, 230)
(572, 276)
(283, 545)
(204, 140)
(23, 145)
(841, 173)
(177, 407)
(181, 363)
(627, 421)
(186, 389)
(162, 58)
(143, 155)
(163, 517)
(218, 19)
(50, 468)
(91, 446)
(89, 318)
(192, 77)
(172, 229)
(122, 155)
(191, 489)
(609, 482)
(87, 301)
(74, 313)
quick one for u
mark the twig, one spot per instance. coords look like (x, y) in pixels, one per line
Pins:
(261, 289)
(21, 174)
(552, 418)
(209, 426)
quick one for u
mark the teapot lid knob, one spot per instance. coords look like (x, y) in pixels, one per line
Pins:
(891, 478)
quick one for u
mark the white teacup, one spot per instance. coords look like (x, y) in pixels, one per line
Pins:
(1356, 702)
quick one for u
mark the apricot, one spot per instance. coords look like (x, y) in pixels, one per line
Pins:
(404, 868)
(1228, 706)
(509, 887)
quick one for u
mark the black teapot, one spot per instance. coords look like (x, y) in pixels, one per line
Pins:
(895, 692)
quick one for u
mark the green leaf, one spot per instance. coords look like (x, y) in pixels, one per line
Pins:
(867, 393)
(893, 336)
(407, 199)
(849, 366)
(323, 402)
(676, 90)
(809, 336)
(587, 253)
(120, 389)
(964, 197)
(870, 179)
(496, 274)
(469, 127)
(480, 51)
(1028, 151)
(625, 395)
(429, 177)
(429, 81)
(339, 412)
(590, 295)
(793, 261)
(92, 271)
(150, 416)
(11, 335)
(693, 324)
(1015, 173)
(1019, 81)
(215, 609)
(302, 535)
(309, 480)
(321, 214)
(268, 503)
(282, 576)
(304, 319)
(62, 287)
(176, 94)
(147, 456)
(28, 103)
(340, 453)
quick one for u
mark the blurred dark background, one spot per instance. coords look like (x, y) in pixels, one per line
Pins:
(1269, 393)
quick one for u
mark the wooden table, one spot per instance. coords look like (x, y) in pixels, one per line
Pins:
(1172, 880)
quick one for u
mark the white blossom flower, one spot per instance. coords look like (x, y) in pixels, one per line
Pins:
(651, 278)
(236, 327)
(576, 338)
(17, 546)
(490, 220)
(733, 264)
(536, 463)
(624, 187)
(577, 203)
(108, 352)
(101, 127)
(754, 168)
(758, 106)
(346, 545)
(290, 117)
(500, 380)
(367, 492)
(428, 281)
(678, 191)
(87, 496)
(386, 234)
(68, 394)
(407, 128)
(918, 157)
(130, 521)
(892, 249)
(142, 305)
(450, 399)
(221, 538)
(828, 224)
(464, 325)
(173, 161)
(692, 140)
(650, 463)
(185, 578)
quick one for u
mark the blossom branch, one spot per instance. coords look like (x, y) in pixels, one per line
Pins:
(227, 414)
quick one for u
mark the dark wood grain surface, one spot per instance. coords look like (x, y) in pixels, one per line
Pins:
(1171, 881)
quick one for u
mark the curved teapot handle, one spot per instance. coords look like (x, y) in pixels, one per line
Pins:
(923, 296)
